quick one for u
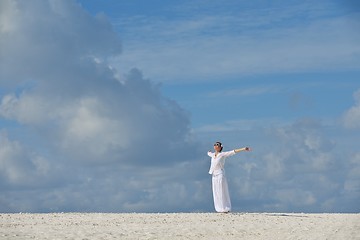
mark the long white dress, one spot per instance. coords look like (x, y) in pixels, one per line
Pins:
(220, 188)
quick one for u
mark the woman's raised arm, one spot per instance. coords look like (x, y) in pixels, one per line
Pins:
(242, 149)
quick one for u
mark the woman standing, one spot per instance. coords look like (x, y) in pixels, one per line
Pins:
(219, 184)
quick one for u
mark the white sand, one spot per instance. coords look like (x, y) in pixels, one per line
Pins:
(179, 226)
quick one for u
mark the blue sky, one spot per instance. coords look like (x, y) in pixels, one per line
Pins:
(112, 105)
(239, 50)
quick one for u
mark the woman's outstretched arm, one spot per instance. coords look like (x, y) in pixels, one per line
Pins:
(242, 149)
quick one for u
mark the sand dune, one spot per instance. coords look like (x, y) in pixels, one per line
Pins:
(179, 226)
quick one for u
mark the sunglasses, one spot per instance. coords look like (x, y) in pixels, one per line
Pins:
(217, 144)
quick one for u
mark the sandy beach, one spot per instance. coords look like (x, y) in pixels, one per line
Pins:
(179, 226)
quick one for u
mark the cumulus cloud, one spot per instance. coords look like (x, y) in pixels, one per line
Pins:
(92, 137)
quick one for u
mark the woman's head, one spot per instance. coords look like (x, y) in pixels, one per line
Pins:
(218, 146)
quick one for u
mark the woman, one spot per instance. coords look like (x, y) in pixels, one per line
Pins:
(219, 184)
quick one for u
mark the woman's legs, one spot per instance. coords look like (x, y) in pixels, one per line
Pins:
(221, 193)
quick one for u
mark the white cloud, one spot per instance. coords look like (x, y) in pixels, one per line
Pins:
(63, 37)
(27, 109)
(351, 118)
(20, 166)
(88, 129)
(77, 98)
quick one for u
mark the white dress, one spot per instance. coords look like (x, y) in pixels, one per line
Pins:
(219, 184)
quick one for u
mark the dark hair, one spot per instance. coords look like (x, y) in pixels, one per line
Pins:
(219, 144)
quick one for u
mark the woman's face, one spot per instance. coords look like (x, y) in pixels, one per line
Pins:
(217, 148)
